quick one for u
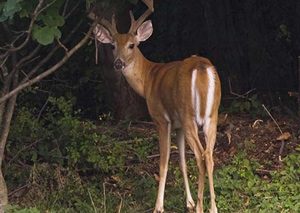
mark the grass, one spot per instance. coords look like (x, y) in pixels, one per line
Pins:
(238, 186)
(107, 169)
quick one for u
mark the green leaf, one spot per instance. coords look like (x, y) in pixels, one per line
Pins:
(10, 7)
(45, 35)
(2, 18)
(27, 8)
(52, 18)
(247, 106)
(56, 32)
(88, 3)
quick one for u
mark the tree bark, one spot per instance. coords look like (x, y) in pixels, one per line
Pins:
(299, 85)
(8, 98)
(5, 127)
(3, 193)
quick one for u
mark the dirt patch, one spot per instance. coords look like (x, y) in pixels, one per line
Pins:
(255, 136)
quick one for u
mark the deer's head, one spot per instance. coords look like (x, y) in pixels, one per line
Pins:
(125, 46)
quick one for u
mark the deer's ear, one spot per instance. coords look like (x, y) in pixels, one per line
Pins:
(144, 31)
(102, 34)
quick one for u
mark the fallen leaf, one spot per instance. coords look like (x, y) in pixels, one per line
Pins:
(116, 178)
(174, 147)
(228, 134)
(222, 120)
(156, 177)
(256, 123)
(284, 136)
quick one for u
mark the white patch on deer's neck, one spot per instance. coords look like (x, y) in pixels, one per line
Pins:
(196, 98)
(127, 71)
(210, 91)
(166, 116)
(134, 78)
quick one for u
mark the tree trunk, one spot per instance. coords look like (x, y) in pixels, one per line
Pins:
(7, 113)
(3, 193)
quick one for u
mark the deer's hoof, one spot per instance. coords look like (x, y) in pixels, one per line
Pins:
(160, 210)
(190, 206)
(213, 210)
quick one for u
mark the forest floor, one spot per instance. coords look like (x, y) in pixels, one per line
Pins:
(246, 159)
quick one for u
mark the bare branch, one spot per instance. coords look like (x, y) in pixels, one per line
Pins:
(51, 53)
(46, 6)
(35, 14)
(52, 69)
(39, 65)
(65, 7)
(1, 65)
(243, 96)
(5, 125)
(282, 142)
(31, 60)
(28, 57)
(72, 10)
(62, 45)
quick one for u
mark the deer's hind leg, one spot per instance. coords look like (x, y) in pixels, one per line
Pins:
(191, 135)
(210, 131)
(190, 204)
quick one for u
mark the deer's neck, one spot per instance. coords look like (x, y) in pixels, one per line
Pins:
(135, 73)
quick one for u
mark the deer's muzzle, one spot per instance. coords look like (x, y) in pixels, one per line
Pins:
(119, 65)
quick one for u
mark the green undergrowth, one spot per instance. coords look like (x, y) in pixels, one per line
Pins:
(58, 163)
(237, 185)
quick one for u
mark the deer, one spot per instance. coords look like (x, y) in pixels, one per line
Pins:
(181, 95)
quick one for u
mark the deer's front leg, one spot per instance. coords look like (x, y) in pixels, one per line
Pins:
(164, 129)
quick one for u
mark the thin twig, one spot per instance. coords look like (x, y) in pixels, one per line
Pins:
(120, 205)
(31, 60)
(21, 61)
(244, 96)
(92, 201)
(22, 150)
(282, 141)
(104, 197)
(62, 45)
(96, 50)
(5, 73)
(272, 118)
(299, 86)
(35, 14)
(51, 53)
(51, 69)
(42, 109)
(65, 8)
(72, 10)
(28, 57)
(18, 189)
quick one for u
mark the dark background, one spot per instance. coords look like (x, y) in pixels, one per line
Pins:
(254, 45)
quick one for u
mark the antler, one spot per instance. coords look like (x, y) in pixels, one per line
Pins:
(136, 23)
(111, 27)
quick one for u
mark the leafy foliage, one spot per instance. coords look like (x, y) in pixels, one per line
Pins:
(77, 163)
(62, 138)
(9, 8)
(251, 105)
(239, 186)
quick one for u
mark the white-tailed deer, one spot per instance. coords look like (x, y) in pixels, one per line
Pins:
(180, 95)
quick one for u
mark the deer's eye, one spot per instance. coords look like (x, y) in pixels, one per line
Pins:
(131, 46)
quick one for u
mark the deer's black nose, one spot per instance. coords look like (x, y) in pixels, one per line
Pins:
(119, 64)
